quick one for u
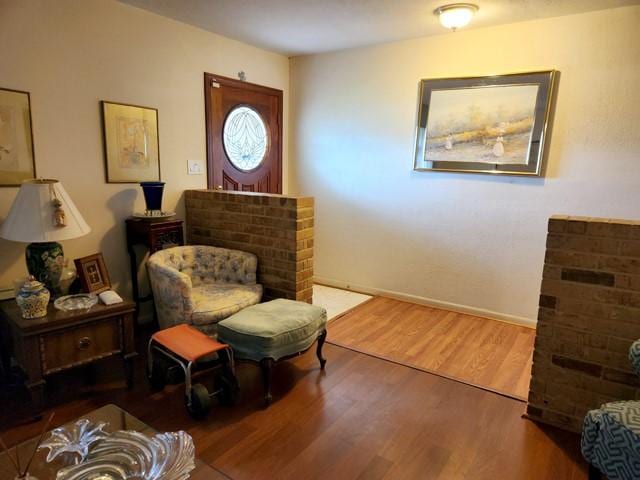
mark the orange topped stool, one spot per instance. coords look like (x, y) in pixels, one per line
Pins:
(195, 353)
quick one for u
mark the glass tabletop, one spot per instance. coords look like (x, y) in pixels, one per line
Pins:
(116, 419)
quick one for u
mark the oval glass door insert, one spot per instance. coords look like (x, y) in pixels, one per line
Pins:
(244, 136)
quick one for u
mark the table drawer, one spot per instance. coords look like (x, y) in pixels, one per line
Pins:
(80, 345)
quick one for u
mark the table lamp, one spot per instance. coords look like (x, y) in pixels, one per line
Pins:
(43, 214)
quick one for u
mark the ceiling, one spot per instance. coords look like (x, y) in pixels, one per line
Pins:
(297, 27)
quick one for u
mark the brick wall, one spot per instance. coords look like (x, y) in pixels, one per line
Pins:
(277, 228)
(589, 315)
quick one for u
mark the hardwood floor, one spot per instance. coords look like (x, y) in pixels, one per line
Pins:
(364, 418)
(479, 351)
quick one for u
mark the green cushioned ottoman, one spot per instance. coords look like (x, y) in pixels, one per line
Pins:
(273, 331)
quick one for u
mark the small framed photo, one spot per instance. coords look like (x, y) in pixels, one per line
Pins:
(17, 161)
(93, 274)
(131, 148)
(497, 124)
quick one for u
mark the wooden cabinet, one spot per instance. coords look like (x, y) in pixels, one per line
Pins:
(155, 235)
(63, 340)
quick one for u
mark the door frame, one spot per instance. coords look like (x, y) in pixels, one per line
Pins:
(208, 112)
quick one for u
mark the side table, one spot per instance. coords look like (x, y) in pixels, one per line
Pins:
(63, 340)
(153, 234)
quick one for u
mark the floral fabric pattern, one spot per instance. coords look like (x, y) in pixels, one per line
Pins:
(201, 285)
(215, 302)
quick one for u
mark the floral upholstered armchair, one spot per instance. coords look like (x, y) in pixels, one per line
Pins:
(611, 435)
(201, 285)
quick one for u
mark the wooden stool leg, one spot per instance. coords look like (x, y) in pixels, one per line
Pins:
(266, 364)
(321, 338)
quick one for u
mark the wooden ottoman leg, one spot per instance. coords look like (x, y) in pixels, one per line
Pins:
(321, 338)
(266, 364)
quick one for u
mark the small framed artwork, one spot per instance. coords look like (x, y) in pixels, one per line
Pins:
(17, 161)
(92, 273)
(495, 125)
(131, 148)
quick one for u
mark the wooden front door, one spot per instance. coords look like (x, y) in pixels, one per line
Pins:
(244, 135)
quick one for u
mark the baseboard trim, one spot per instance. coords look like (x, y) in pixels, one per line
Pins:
(429, 302)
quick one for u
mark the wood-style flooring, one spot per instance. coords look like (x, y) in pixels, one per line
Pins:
(492, 354)
(363, 418)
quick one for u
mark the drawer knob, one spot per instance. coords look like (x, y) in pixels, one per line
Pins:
(84, 343)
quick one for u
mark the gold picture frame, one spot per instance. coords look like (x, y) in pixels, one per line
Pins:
(17, 158)
(131, 143)
(496, 125)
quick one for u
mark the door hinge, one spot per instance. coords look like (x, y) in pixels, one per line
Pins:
(214, 84)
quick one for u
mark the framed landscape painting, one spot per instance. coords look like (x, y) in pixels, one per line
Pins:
(495, 124)
(132, 152)
(17, 162)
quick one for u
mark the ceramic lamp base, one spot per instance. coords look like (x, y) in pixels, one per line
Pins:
(45, 261)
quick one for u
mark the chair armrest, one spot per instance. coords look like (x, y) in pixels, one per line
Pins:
(171, 294)
(634, 356)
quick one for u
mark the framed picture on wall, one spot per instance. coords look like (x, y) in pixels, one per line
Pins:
(92, 273)
(131, 148)
(497, 124)
(17, 161)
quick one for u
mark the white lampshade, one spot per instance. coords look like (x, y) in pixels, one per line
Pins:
(456, 15)
(31, 218)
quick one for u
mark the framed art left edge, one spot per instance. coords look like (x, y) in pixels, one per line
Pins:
(17, 159)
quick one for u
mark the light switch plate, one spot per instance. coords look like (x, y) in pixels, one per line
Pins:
(195, 167)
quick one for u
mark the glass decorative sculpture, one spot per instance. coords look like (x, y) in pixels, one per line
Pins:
(80, 301)
(123, 454)
(75, 441)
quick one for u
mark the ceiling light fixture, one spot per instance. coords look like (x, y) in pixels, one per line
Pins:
(456, 15)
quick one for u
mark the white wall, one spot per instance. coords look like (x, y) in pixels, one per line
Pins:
(70, 54)
(471, 240)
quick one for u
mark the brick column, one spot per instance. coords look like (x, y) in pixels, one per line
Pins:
(276, 228)
(589, 315)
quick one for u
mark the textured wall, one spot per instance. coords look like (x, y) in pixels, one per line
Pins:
(277, 228)
(463, 239)
(588, 317)
(71, 54)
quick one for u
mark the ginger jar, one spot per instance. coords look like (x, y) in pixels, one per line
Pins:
(33, 299)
